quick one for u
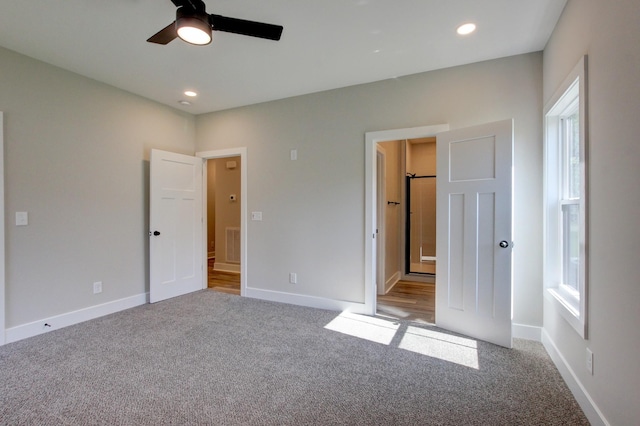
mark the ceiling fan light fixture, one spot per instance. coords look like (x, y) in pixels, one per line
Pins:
(193, 27)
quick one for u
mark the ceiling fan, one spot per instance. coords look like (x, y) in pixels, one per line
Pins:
(194, 25)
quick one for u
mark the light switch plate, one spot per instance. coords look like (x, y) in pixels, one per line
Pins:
(22, 218)
(256, 215)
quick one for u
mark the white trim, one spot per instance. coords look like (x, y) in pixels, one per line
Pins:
(244, 229)
(381, 188)
(226, 267)
(370, 194)
(527, 332)
(591, 410)
(75, 317)
(2, 237)
(308, 301)
(391, 282)
(576, 314)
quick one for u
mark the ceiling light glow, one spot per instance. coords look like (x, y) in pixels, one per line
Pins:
(194, 35)
(193, 26)
(465, 29)
(187, 103)
(190, 93)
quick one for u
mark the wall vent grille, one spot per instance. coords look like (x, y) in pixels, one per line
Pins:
(232, 244)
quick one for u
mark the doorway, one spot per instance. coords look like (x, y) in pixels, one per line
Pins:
(223, 197)
(406, 229)
(372, 221)
(228, 271)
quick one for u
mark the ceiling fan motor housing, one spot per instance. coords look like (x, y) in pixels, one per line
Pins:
(190, 18)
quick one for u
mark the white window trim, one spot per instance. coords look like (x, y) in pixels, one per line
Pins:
(572, 308)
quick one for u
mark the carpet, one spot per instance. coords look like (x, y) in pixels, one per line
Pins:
(209, 358)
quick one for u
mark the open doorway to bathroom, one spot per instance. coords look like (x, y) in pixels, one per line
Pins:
(406, 176)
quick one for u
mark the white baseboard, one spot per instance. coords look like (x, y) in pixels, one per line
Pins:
(528, 332)
(593, 413)
(226, 267)
(392, 281)
(35, 328)
(309, 301)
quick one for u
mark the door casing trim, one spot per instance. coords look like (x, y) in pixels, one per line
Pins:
(244, 230)
(371, 176)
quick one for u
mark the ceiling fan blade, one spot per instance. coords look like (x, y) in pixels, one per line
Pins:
(244, 27)
(165, 35)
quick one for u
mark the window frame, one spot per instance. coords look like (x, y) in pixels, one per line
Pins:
(571, 304)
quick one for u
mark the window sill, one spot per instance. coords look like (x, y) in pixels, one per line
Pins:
(567, 311)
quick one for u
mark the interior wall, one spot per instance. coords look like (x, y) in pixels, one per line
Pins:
(422, 161)
(313, 207)
(77, 160)
(227, 210)
(608, 32)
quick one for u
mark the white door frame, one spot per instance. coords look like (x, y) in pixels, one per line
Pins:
(371, 202)
(381, 193)
(226, 153)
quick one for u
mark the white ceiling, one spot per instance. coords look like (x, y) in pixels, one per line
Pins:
(326, 44)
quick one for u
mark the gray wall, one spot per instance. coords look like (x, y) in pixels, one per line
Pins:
(313, 208)
(77, 161)
(609, 33)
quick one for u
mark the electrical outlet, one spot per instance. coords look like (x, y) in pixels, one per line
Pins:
(293, 278)
(97, 287)
(589, 361)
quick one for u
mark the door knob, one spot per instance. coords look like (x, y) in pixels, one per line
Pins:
(504, 244)
(156, 233)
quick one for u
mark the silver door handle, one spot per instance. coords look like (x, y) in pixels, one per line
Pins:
(504, 244)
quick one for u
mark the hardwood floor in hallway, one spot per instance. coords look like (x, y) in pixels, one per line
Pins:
(226, 282)
(410, 300)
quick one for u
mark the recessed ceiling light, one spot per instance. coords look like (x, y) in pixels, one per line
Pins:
(465, 29)
(190, 93)
(183, 102)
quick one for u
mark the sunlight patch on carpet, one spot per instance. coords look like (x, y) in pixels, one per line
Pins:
(443, 346)
(364, 327)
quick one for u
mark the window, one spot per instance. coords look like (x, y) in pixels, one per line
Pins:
(565, 248)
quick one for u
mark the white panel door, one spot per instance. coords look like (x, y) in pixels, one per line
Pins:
(474, 208)
(176, 256)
